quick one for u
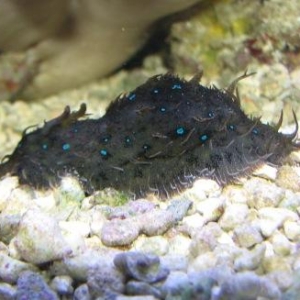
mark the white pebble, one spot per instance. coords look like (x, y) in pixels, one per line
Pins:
(7, 185)
(211, 209)
(75, 241)
(247, 235)
(269, 249)
(203, 262)
(45, 202)
(193, 222)
(39, 238)
(268, 227)
(206, 187)
(234, 215)
(97, 221)
(267, 172)
(250, 260)
(69, 190)
(291, 200)
(155, 244)
(225, 254)
(179, 245)
(10, 268)
(235, 194)
(292, 230)
(271, 218)
(62, 285)
(79, 266)
(276, 263)
(81, 228)
(19, 202)
(289, 178)
(281, 245)
(206, 239)
(281, 214)
(225, 239)
(262, 193)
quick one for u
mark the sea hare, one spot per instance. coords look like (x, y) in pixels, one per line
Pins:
(158, 138)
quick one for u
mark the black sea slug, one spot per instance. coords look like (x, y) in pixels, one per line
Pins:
(159, 138)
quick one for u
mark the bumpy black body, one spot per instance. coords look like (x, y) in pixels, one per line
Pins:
(158, 138)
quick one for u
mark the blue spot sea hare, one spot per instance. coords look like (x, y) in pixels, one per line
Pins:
(158, 138)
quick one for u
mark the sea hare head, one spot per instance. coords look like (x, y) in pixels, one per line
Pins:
(277, 144)
(240, 144)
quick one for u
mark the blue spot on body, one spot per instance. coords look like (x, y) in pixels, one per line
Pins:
(155, 91)
(131, 97)
(176, 87)
(105, 139)
(211, 114)
(231, 127)
(44, 146)
(66, 147)
(103, 152)
(180, 131)
(203, 137)
(162, 109)
(128, 141)
(255, 131)
(146, 147)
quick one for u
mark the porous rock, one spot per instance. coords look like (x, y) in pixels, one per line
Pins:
(32, 286)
